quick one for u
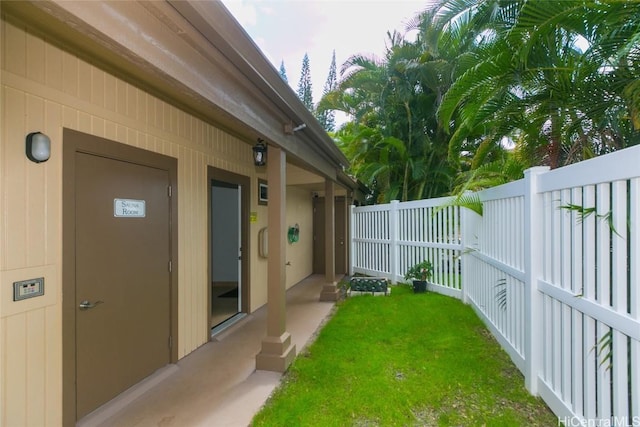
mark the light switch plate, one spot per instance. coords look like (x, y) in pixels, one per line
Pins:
(28, 288)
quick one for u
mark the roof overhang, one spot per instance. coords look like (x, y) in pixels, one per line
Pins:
(195, 55)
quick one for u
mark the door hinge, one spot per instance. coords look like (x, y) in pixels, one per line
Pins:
(170, 267)
(170, 341)
(169, 191)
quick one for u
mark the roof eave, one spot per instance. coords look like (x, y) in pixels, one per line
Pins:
(209, 67)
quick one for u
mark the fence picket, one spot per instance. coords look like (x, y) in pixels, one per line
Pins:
(577, 345)
(634, 291)
(603, 295)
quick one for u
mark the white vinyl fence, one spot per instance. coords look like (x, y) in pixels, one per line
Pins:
(388, 239)
(552, 267)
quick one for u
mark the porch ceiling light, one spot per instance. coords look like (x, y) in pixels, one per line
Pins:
(38, 147)
(260, 153)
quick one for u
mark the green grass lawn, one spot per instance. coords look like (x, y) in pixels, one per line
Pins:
(403, 360)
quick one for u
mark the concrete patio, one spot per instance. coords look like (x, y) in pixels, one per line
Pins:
(217, 385)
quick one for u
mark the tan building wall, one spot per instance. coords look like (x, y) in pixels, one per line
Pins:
(45, 88)
(300, 253)
(259, 265)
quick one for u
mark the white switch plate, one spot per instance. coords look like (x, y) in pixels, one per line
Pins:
(28, 288)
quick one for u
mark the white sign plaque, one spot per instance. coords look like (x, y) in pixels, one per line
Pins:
(129, 208)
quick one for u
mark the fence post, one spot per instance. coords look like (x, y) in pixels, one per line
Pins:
(533, 247)
(469, 225)
(393, 240)
(352, 234)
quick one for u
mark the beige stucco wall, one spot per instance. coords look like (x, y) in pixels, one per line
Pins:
(45, 88)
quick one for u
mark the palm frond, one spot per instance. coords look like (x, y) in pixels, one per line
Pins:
(469, 201)
(501, 293)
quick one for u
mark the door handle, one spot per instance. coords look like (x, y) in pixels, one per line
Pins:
(86, 305)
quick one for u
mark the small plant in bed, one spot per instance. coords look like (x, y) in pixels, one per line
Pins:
(420, 273)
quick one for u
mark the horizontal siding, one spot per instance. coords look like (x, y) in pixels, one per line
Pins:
(45, 88)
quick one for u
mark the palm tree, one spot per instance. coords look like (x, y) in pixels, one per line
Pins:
(393, 102)
(556, 81)
(541, 74)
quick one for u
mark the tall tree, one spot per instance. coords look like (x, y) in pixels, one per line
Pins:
(283, 72)
(327, 118)
(305, 91)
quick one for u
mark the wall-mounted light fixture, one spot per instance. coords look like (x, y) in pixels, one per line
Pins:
(38, 147)
(260, 153)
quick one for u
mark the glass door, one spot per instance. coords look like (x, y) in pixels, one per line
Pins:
(226, 252)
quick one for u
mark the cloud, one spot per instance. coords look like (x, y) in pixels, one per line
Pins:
(245, 13)
(287, 29)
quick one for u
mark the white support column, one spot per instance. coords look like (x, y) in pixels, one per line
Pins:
(532, 268)
(351, 238)
(330, 290)
(277, 351)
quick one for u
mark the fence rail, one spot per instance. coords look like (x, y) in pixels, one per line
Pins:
(552, 267)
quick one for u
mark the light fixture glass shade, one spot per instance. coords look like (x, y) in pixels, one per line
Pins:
(260, 153)
(38, 147)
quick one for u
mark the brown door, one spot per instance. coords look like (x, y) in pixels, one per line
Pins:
(122, 276)
(318, 235)
(340, 236)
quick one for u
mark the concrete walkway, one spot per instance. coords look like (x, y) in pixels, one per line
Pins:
(217, 385)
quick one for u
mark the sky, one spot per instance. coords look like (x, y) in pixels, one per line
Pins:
(287, 29)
